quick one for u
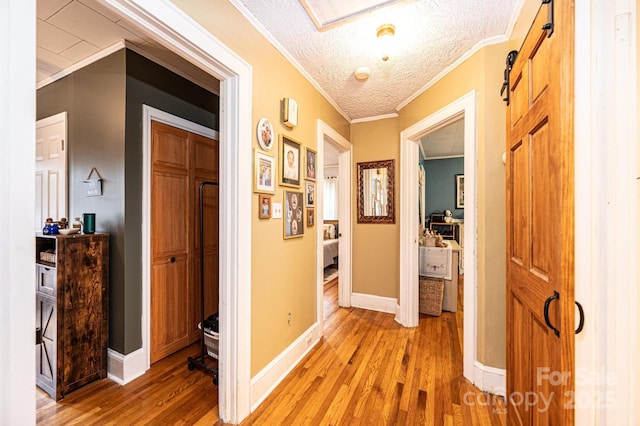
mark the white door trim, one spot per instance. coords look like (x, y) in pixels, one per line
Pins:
(17, 192)
(171, 27)
(345, 181)
(150, 114)
(607, 187)
(408, 313)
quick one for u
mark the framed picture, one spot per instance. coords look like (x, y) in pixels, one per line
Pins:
(264, 133)
(294, 217)
(264, 206)
(310, 169)
(264, 173)
(311, 218)
(289, 162)
(309, 195)
(459, 191)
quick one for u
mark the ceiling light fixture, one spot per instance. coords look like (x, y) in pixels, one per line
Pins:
(385, 34)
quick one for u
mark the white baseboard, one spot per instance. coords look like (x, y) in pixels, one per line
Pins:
(263, 383)
(374, 303)
(124, 368)
(490, 379)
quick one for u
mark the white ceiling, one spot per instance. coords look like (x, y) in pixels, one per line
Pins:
(430, 36)
(70, 33)
(446, 142)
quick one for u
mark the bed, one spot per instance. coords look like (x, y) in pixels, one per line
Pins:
(330, 244)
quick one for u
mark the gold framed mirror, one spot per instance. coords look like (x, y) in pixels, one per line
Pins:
(376, 201)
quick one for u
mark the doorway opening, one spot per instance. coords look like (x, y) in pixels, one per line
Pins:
(338, 151)
(150, 210)
(408, 314)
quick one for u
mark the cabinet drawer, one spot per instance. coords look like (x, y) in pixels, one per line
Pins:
(46, 280)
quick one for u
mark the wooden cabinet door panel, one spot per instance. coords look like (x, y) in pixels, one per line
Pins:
(169, 307)
(168, 146)
(170, 201)
(46, 320)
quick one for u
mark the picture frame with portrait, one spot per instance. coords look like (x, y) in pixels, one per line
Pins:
(309, 194)
(264, 173)
(293, 214)
(459, 191)
(311, 218)
(310, 165)
(290, 151)
(264, 133)
(264, 206)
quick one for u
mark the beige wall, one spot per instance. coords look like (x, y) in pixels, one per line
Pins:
(481, 72)
(283, 271)
(375, 250)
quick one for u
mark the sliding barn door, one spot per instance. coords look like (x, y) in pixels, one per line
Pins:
(540, 236)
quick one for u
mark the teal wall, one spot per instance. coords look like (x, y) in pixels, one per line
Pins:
(440, 185)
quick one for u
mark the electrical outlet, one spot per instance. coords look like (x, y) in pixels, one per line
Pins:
(289, 320)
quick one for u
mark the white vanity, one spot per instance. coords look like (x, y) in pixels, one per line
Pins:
(443, 263)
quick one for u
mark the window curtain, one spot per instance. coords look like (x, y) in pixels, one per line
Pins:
(330, 208)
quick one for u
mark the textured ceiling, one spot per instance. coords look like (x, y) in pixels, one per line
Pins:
(430, 36)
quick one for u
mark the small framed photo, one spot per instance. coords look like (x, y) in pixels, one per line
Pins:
(264, 173)
(310, 169)
(459, 191)
(264, 132)
(294, 216)
(311, 218)
(289, 161)
(264, 206)
(309, 194)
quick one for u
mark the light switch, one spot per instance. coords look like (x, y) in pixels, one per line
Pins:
(276, 212)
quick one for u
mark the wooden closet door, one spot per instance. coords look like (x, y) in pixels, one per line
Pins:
(171, 207)
(206, 169)
(540, 235)
(180, 162)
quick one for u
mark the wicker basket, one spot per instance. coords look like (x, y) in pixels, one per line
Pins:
(431, 293)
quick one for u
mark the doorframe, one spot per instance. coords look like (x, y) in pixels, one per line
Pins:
(178, 32)
(408, 314)
(326, 133)
(150, 114)
(606, 186)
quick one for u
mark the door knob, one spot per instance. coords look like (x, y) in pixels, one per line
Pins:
(172, 259)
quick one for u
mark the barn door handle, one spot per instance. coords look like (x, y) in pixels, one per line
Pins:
(581, 323)
(546, 312)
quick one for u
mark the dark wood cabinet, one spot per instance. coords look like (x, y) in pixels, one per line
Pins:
(72, 311)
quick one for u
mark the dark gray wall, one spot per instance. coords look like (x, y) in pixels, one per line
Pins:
(440, 185)
(104, 104)
(153, 85)
(94, 98)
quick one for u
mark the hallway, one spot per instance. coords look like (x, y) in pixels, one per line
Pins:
(367, 370)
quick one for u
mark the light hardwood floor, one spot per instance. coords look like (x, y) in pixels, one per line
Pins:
(367, 370)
